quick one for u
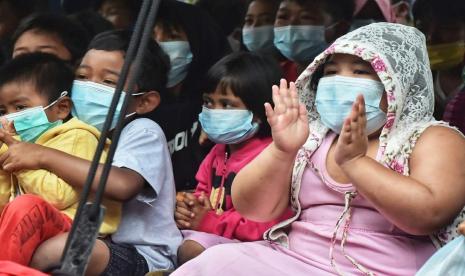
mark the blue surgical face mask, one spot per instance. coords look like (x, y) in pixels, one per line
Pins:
(180, 58)
(259, 38)
(91, 103)
(228, 126)
(31, 123)
(300, 43)
(336, 94)
(357, 23)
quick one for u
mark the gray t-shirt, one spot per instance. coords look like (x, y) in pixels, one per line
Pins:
(148, 219)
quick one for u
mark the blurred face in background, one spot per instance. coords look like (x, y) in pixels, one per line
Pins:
(36, 41)
(173, 40)
(302, 31)
(258, 30)
(260, 13)
(119, 12)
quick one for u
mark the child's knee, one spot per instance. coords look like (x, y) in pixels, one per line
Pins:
(188, 250)
(48, 254)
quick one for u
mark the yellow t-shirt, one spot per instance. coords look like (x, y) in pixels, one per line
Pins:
(78, 139)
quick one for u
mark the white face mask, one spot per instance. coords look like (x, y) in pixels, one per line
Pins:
(180, 58)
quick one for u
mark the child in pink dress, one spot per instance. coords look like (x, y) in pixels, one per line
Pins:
(367, 194)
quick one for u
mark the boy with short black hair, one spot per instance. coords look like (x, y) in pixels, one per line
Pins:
(35, 105)
(51, 33)
(141, 175)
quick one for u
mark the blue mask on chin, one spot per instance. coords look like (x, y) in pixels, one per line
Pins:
(336, 94)
(228, 126)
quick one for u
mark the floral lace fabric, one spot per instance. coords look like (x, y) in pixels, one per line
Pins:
(398, 55)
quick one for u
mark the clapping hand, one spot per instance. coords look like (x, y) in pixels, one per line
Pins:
(353, 139)
(288, 118)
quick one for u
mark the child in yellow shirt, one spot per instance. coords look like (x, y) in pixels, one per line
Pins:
(34, 105)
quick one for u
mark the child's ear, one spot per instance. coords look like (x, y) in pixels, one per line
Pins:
(147, 102)
(63, 108)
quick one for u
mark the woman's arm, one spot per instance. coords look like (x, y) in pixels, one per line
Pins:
(421, 203)
(260, 191)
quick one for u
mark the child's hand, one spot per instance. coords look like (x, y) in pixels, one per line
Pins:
(8, 126)
(203, 139)
(288, 119)
(200, 209)
(190, 212)
(183, 213)
(353, 140)
(20, 155)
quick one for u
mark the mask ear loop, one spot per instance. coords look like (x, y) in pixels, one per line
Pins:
(134, 94)
(138, 94)
(63, 94)
(332, 25)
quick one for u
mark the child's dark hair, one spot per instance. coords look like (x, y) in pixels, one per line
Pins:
(48, 74)
(339, 10)
(250, 77)
(228, 14)
(132, 5)
(73, 36)
(92, 21)
(155, 64)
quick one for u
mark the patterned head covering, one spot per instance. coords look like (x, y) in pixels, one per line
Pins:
(398, 55)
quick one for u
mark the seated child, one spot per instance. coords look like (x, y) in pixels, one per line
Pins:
(354, 161)
(33, 99)
(141, 175)
(51, 33)
(233, 117)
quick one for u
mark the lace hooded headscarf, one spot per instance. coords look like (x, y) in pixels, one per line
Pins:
(398, 55)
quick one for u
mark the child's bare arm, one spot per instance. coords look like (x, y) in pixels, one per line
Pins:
(420, 203)
(122, 183)
(260, 191)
